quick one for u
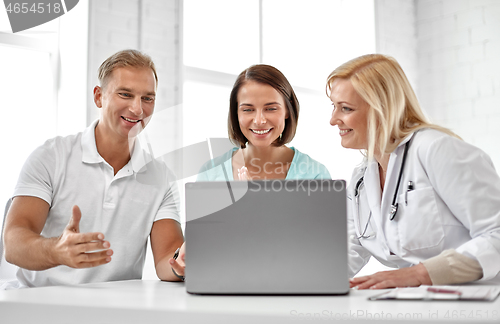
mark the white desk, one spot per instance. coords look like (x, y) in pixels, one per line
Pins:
(165, 302)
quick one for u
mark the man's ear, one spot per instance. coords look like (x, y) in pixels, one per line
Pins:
(98, 96)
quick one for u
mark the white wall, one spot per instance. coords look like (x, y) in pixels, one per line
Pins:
(459, 68)
(396, 34)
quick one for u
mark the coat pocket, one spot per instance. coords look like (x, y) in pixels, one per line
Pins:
(419, 222)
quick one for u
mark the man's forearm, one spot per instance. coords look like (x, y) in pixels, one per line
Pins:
(29, 250)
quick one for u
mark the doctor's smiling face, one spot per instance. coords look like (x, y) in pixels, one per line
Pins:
(350, 114)
(261, 113)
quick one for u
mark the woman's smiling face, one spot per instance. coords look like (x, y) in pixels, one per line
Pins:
(261, 113)
(350, 114)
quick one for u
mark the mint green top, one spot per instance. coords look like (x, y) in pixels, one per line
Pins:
(302, 167)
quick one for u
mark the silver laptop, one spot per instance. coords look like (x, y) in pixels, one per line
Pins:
(266, 237)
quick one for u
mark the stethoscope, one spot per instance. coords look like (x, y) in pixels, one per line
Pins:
(394, 204)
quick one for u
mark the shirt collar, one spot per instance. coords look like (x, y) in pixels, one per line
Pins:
(139, 157)
(89, 147)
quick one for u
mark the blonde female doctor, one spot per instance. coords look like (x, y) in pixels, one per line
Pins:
(423, 200)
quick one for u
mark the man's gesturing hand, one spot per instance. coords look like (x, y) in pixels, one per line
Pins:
(81, 250)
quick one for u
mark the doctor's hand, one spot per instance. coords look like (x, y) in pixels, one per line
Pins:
(179, 264)
(406, 277)
(75, 249)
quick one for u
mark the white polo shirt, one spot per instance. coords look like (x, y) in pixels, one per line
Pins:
(67, 171)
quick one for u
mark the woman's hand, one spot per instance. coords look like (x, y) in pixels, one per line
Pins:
(243, 174)
(179, 264)
(406, 277)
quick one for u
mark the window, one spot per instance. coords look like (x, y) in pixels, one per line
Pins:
(221, 35)
(304, 40)
(43, 84)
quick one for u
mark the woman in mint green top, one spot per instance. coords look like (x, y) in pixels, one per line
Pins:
(263, 116)
(302, 167)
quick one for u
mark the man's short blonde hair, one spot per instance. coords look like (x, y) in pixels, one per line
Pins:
(125, 58)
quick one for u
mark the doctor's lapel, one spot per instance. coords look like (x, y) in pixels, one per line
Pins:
(372, 195)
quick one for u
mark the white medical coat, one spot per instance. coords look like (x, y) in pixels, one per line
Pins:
(454, 204)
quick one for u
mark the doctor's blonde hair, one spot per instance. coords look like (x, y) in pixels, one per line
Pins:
(394, 109)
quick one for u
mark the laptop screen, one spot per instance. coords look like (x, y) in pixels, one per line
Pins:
(255, 237)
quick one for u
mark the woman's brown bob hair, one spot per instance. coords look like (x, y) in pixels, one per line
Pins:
(269, 75)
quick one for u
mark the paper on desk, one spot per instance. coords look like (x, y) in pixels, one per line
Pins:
(475, 293)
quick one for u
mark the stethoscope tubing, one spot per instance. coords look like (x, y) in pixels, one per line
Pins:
(394, 205)
(356, 199)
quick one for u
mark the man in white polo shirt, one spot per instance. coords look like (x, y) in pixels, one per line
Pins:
(85, 205)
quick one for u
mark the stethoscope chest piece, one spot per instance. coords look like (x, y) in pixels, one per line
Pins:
(394, 211)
